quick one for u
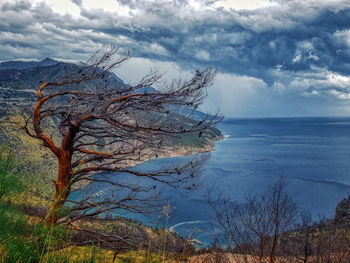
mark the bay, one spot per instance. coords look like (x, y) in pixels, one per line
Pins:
(312, 154)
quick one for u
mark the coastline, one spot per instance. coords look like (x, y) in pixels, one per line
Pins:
(166, 153)
(169, 152)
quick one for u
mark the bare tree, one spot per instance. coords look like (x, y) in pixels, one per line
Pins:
(253, 230)
(297, 244)
(103, 128)
(305, 238)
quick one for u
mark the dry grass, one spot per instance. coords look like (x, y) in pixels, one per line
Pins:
(99, 255)
(222, 257)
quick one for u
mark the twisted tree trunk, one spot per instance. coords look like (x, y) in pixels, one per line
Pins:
(62, 186)
(65, 173)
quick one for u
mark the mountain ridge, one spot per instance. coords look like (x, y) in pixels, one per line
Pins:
(19, 81)
(27, 64)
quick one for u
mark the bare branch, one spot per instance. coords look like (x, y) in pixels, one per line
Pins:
(104, 126)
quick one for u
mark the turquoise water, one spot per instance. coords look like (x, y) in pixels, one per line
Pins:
(313, 154)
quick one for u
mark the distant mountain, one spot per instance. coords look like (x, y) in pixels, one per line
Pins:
(19, 80)
(195, 114)
(27, 64)
(116, 78)
(33, 76)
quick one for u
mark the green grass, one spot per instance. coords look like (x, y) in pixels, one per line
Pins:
(19, 240)
(26, 181)
(10, 182)
(22, 241)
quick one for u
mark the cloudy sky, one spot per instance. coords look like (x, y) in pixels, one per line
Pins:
(275, 57)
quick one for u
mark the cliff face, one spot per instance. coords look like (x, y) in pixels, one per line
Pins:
(342, 212)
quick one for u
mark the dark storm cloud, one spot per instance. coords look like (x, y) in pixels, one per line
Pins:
(290, 44)
(294, 36)
(236, 41)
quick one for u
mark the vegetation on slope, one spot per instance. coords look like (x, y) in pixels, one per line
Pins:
(24, 208)
(23, 237)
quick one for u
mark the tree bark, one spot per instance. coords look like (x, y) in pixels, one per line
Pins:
(62, 186)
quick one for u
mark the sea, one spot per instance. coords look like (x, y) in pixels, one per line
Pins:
(311, 154)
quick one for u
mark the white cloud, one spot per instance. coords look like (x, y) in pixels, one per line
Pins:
(20, 52)
(338, 80)
(278, 67)
(235, 95)
(297, 58)
(314, 57)
(135, 68)
(202, 55)
(112, 6)
(60, 6)
(244, 4)
(157, 49)
(343, 36)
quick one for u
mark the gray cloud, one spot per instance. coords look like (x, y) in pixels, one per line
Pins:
(77, 2)
(293, 47)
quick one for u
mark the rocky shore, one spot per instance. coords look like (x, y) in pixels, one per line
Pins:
(342, 211)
